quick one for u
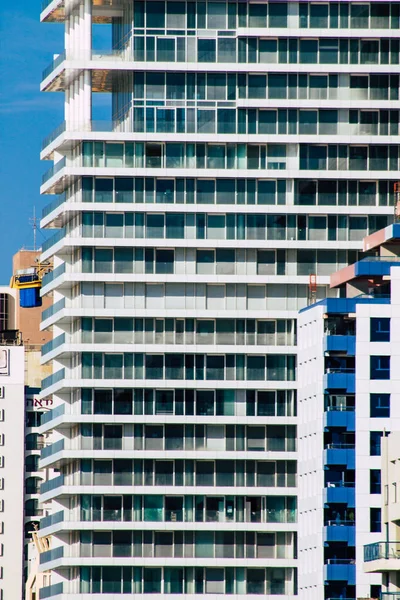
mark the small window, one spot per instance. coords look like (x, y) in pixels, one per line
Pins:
(375, 591)
(375, 518)
(380, 367)
(375, 443)
(375, 481)
(379, 405)
(380, 329)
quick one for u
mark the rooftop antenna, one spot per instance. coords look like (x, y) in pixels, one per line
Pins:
(34, 221)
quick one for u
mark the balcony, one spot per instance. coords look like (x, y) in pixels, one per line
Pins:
(340, 418)
(340, 454)
(390, 596)
(49, 277)
(52, 70)
(340, 569)
(340, 379)
(340, 493)
(51, 555)
(53, 344)
(52, 484)
(340, 531)
(54, 239)
(53, 519)
(54, 135)
(54, 170)
(52, 379)
(375, 265)
(50, 591)
(53, 205)
(382, 556)
(340, 343)
(52, 449)
(53, 414)
(52, 310)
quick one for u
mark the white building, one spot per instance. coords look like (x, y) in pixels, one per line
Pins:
(348, 397)
(383, 556)
(242, 155)
(12, 430)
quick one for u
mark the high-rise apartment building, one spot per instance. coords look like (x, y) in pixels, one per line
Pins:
(347, 401)
(249, 145)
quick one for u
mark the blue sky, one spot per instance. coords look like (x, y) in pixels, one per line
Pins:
(26, 116)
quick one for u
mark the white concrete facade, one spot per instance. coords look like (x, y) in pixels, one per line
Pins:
(316, 492)
(12, 437)
(190, 224)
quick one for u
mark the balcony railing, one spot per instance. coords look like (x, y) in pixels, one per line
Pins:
(53, 414)
(330, 370)
(381, 550)
(53, 519)
(341, 561)
(53, 205)
(52, 554)
(52, 379)
(54, 170)
(340, 408)
(380, 259)
(340, 522)
(54, 135)
(51, 590)
(52, 449)
(52, 484)
(340, 484)
(54, 239)
(53, 274)
(52, 310)
(340, 447)
(53, 344)
(53, 65)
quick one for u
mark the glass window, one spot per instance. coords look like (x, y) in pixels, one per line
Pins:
(375, 519)
(308, 51)
(380, 367)
(103, 260)
(155, 15)
(374, 481)
(379, 329)
(206, 50)
(278, 12)
(375, 438)
(217, 13)
(379, 405)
